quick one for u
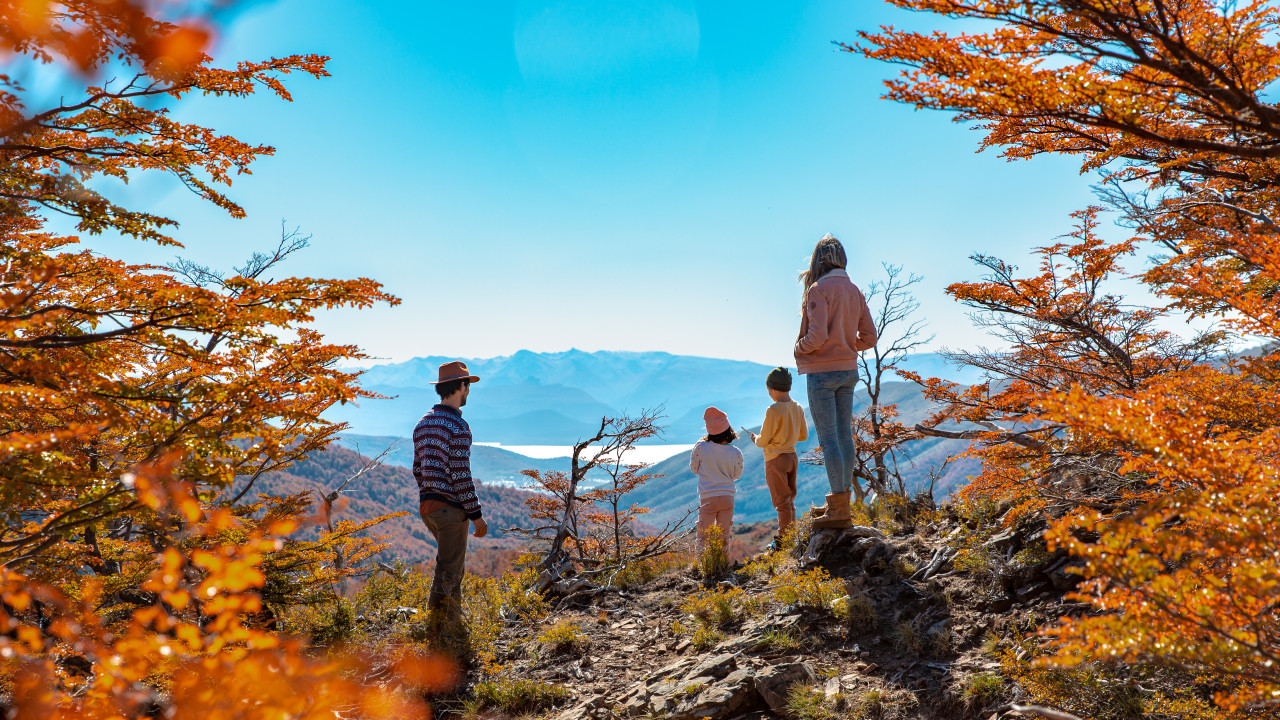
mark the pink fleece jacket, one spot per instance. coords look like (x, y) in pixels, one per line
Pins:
(836, 325)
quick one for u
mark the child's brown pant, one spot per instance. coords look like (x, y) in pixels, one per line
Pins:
(780, 477)
(717, 511)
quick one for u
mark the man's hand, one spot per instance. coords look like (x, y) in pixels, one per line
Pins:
(481, 527)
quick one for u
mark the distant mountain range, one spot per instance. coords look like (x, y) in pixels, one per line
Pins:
(555, 398)
(495, 466)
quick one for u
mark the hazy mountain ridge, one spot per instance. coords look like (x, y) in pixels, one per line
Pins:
(671, 495)
(533, 398)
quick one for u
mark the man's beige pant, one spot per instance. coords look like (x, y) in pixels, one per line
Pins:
(714, 511)
(780, 477)
(449, 525)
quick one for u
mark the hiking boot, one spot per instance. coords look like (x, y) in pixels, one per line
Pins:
(776, 545)
(822, 510)
(837, 515)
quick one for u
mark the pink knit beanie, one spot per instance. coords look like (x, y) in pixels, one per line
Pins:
(717, 422)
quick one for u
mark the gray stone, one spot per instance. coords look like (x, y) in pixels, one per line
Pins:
(774, 682)
(877, 557)
(717, 666)
(1061, 579)
(823, 543)
(577, 712)
(679, 666)
(1001, 540)
(719, 699)
(832, 688)
(736, 643)
(635, 705)
(1026, 593)
(1000, 605)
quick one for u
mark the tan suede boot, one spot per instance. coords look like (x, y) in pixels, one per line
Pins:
(837, 515)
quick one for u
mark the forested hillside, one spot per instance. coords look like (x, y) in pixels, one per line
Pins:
(390, 489)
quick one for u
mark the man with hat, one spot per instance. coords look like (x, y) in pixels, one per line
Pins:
(784, 427)
(447, 498)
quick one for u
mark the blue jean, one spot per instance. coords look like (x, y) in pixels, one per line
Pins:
(831, 407)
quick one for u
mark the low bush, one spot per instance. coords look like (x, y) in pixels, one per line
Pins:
(780, 641)
(516, 697)
(641, 572)
(858, 610)
(812, 588)
(1114, 692)
(722, 606)
(487, 602)
(907, 635)
(713, 561)
(871, 704)
(563, 638)
(807, 702)
(981, 690)
(706, 638)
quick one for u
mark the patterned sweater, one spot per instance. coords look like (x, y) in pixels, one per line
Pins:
(442, 460)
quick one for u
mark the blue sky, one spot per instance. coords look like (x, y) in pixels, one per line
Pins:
(644, 175)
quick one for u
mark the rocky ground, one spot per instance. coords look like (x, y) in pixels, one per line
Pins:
(908, 634)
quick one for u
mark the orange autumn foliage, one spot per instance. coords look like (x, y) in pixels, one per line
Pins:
(1158, 461)
(76, 655)
(132, 396)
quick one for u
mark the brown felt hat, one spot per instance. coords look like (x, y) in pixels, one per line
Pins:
(456, 370)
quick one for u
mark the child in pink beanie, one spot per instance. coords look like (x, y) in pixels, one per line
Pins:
(718, 465)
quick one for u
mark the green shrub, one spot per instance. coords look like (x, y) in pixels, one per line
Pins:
(858, 610)
(690, 690)
(1031, 555)
(806, 702)
(326, 624)
(982, 689)
(517, 697)
(721, 606)
(977, 512)
(871, 704)
(713, 561)
(813, 588)
(640, 572)
(910, 637)
(562, 638)
(706, 638)
(781, 641)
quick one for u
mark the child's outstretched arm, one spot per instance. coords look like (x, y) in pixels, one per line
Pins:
(768, 429)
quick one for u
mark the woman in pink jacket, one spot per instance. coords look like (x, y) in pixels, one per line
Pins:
(836, 325)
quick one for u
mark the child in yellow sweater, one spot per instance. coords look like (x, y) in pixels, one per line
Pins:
(784, 426)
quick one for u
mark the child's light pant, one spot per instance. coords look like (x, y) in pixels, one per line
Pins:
(716, 510)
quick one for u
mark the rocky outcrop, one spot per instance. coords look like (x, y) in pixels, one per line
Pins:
(910, 631)
(715, 687)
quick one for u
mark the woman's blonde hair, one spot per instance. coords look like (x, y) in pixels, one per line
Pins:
(828, 255)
